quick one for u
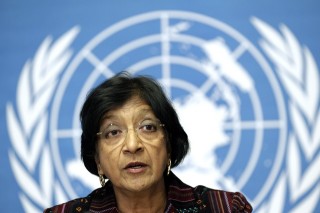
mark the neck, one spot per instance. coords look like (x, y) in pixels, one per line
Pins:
(152, 200)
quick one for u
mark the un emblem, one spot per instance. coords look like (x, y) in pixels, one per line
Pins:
(245, 134)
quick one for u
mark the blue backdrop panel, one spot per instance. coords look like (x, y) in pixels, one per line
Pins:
(243, 76)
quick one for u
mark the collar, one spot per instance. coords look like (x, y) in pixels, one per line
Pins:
(179, 195)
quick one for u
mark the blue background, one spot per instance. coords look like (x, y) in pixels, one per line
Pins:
(24, 25)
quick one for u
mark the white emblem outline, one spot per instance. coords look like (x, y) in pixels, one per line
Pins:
(102, 68)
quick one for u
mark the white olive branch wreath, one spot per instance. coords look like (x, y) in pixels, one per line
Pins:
(299, 74)
(27, 126)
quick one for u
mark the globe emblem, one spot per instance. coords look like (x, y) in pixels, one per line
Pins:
(237, 128)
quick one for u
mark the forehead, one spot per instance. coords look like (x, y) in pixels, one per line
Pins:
(133, 107)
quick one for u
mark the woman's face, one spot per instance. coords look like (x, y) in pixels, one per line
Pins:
(131, 150)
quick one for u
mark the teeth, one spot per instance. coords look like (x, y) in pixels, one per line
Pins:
(135, 166)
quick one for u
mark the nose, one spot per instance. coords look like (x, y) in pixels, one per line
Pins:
(132, 143)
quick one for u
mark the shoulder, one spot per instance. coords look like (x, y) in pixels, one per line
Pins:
(75, 205)
(216, 200)
(185, 198)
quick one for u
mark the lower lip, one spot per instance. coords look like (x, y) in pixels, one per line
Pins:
(136, 170)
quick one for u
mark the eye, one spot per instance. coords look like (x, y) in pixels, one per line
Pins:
(148, 126)
(112, 131)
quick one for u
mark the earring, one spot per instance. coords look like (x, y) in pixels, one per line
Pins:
(169, 167)
(102, 180)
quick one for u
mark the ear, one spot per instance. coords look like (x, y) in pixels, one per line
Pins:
(100, 172)
(169, 156)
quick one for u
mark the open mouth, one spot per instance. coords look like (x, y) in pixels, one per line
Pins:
(135, 165)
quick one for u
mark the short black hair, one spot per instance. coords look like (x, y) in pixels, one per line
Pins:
(115, 92)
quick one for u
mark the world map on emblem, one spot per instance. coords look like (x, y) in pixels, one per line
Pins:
(208, 70)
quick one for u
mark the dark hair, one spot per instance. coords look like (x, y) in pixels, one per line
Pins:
(113, 93)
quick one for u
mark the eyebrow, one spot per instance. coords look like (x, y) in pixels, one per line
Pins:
(146, 111)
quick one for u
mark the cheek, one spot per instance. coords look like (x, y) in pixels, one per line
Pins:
(108, 160)
(160, 156)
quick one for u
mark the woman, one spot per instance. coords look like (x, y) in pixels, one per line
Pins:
(132, 136)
